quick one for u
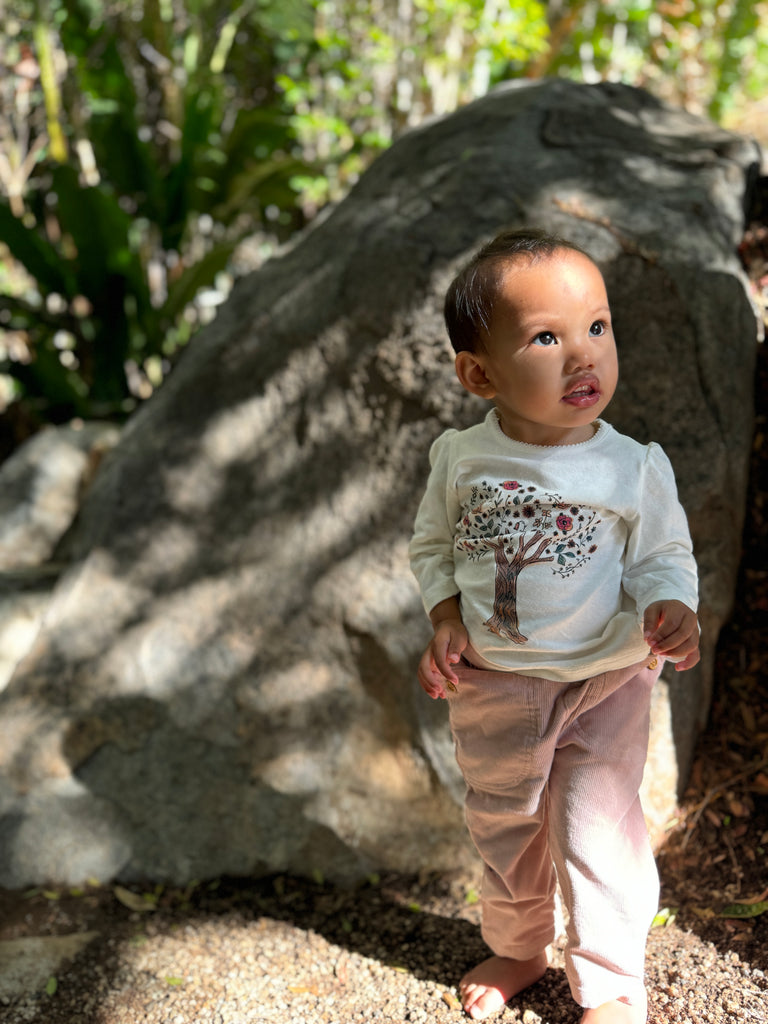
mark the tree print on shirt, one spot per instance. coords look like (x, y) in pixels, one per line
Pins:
(522, 527)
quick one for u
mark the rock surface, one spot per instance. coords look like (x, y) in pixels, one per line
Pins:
(41, 487)
(225, 679)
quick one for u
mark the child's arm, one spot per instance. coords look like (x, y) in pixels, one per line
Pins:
(444, 650)
(660, 571)
(671, 630)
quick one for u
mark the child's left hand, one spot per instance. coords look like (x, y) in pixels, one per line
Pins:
(671, 630)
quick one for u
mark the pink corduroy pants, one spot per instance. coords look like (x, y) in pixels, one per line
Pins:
(553, 771)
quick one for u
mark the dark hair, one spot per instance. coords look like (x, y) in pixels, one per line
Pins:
(470, 298)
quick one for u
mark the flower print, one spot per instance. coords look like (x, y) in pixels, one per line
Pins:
(510, 485)
(564, 523)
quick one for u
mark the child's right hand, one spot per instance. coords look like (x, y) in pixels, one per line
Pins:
(445, 649)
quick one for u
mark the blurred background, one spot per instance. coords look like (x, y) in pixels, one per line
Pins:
(153, 151)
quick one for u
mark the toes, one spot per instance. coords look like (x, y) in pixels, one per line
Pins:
(480, 1001)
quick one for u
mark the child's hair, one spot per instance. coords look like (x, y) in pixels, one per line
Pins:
(470, 298)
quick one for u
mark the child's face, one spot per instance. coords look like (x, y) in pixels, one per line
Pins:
(549, 361)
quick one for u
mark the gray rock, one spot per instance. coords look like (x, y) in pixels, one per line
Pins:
(24, 597)
(225, 679)
(41, 485)
(41, 488)
(27, 965)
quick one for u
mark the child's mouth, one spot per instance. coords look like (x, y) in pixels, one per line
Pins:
(584, 395)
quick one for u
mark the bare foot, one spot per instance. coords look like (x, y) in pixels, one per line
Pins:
(487, 987)
(617, 1012)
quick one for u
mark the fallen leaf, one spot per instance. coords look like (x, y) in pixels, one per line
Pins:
(704, 912)
(748, 715)
(141, 902)
(741, 910)
(664, 917)
(738, 808)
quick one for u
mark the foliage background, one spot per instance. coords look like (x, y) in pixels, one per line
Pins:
(153, 150)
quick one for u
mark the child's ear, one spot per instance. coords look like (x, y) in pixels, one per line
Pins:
(470, 372)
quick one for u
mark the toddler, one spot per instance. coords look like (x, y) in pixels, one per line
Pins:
(555, 563)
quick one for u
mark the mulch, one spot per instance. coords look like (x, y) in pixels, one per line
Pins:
(717, 854)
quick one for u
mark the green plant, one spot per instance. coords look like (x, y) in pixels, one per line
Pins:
(142, 140)
(167, 143)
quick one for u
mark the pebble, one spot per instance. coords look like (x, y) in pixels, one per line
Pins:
(272, 965)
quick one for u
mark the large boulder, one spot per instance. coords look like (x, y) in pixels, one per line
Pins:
(224, 682)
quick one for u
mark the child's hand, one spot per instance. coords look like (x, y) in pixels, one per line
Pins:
(445, 650)
(671, 630)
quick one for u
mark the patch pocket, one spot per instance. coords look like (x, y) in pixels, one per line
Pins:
(495, 728)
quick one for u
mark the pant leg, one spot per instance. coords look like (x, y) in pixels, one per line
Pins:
(496, 719)
(518, 889)
(600, 843)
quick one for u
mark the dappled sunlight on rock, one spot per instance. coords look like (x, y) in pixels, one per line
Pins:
(227, 665)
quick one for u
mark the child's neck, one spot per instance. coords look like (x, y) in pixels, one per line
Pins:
(547, 437)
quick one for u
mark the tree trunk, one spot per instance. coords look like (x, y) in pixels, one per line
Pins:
(504, 621)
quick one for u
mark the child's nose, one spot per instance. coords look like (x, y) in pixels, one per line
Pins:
(580, 356)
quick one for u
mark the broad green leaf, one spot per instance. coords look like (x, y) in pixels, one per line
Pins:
(96, 223)
(259, 184)
(32, 249)
(45, 377)
(291, 18)
(745, 909)
(200, 275)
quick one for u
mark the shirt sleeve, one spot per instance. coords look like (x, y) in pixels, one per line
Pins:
(431, 548)
(659, 563)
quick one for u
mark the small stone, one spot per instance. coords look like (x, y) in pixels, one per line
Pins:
(450, 1001)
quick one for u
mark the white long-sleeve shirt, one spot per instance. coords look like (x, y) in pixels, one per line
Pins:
(554, 552)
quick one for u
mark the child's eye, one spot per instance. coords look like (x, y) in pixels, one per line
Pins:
(545, 338)
(598, 328)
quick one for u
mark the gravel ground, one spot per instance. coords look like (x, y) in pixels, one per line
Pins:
(295, 952)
